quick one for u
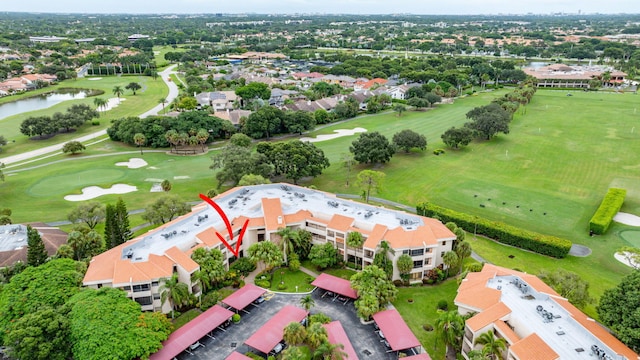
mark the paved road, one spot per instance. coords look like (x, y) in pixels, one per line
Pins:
(173, 93)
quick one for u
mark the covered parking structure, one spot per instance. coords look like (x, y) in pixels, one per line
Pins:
(337, 335)
(396, 333)
(240, 299)
(271, 333)
(335, 287)
(237, 356)
(189, 334)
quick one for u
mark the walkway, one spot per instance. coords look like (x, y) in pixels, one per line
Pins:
(173, 93)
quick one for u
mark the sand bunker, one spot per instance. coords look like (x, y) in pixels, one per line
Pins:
(181, 177)
(157, 187)
(338, 133)
(94, 79)
(111, 103)
(92, 192)
(621, 257)
(627, 219)
(133, 163)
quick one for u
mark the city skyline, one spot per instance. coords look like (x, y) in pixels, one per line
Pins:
(453, 7)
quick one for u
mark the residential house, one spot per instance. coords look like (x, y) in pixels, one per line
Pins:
(217, 100)
(233, 116)
(367, 85)
(13, 241)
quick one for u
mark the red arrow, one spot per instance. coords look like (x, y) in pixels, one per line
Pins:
(227, 223)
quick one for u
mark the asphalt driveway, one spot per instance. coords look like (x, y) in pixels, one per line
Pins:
(363, 338)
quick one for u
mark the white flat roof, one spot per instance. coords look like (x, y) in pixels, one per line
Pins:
(12, 237)
(247, 201)
(562, 333)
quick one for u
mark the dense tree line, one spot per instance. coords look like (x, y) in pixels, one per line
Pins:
(154, 128)
(73, 118)
(268, 121)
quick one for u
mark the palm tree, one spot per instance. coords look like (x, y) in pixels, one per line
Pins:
(463, 250)
(450, 328)
(294, 333)
(203, 279)
(316, 334)
(307, 303)
(172, 138)
(329, 351)
(174, 291)
(100, 103)
(139, 139)
(202, 135)
(381, 258)
(117, 91)
(450, 259)
(286, 241)
(492, 346)
(163, 101)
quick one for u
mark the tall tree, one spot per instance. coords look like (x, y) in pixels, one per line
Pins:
(451, 260)
(163, 101)
(569, 285)
(117, 91)
(176, 292)
(266, 252)
(323, 256)
(355, 239)
(463, 250)
(116, 229)
(409, 139)
(91, 213)
(316, 335)
(457, 137)
(125, 332)
(618, 309)
(294, 159)
(329, 351)
(211, 264)
(73, 147)
(449, 329)
(286, 241)
(489, 120)
(307, 302)
(165, 209)
(368, 180)
(405, 265)
(36, 252)
(133, 86)
(85, 243)
(100, 103)
(139, 139)
(235, 162)
(294, 334)
(371, 148)
(382, 258)
(41, 335)
(492, 346)
(374, 289)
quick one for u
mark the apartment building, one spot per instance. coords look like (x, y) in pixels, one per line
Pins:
(535, 322)
(140, 265)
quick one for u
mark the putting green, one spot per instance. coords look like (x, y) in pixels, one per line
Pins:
(631, 236)
(74, 182)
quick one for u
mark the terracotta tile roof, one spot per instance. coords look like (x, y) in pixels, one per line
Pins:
(272, 210)
(298, 217)
(440, 232)
(488, 316)
(376, 235)
(533, 348)
(180, 258)
(340, 222)
(208, 237)
(506, 331)
(478, 297)
(400, 238)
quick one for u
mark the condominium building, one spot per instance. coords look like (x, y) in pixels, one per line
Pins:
(140, 265)
(535, 322)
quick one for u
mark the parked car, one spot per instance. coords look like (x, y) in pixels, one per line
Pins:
(258, 301)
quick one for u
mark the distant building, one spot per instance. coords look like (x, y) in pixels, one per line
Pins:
(565, 76)
(136, 37)
(535, 322)
(217, 100)
(13, 241)
(46, 39)
(140, 266)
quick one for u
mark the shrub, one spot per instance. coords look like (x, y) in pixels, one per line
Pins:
(427, 327)
(243, 266)
(475, 267)
(438, 151)
(209, 300)
(501, 232)
(95, 122)
(263, 283)
(294, 265)
(254, 356)
(609, 207)
(235, 318)
(265, 275)
(443, 305)
(319, 318)
(427, 281)
(309, 279)
(281, 286)
(351, 265)
(397, 283)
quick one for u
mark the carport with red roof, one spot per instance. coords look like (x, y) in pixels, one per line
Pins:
(243, 297)
(335, 285)
(337, 335)
(192, 332)
(395, 331)
(237, 356)
(271, 333)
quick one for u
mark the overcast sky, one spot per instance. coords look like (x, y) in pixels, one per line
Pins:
(324, 6)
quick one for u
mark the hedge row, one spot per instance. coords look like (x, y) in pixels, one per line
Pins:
(609, 207)
(501, 232)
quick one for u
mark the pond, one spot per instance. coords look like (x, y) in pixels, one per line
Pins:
(43, 101)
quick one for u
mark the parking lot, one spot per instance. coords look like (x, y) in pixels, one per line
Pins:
(365, 341)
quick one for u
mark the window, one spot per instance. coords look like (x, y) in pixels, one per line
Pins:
(331, 233)
(444, 243)
(99, 286)
(428, 250)
(156, 296)
(139, 288)
(145, 300)
(340, 235)
(442, 254)
(126, 288)
(428, 262)
(417, 252)
(260, 237)
(417, 264)
(405, 252)
(155, 283)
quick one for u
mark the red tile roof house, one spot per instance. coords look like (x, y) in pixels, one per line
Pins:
(535, 321)
(13, 241)
(140, 265)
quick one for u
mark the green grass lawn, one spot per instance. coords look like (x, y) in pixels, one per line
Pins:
(145, 99)
(423, 311)
(291, 279)
(185, 317)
